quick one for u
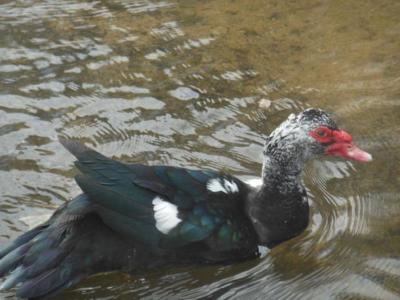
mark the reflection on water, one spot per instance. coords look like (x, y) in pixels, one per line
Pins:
(189, 83)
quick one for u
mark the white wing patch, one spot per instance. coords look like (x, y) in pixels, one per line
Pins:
(165, 214)
(222, 185)
(263, 251)
(254, 182)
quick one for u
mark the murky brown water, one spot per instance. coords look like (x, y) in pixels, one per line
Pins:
(180, 83)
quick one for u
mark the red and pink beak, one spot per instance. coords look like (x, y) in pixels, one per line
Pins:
(344, 147)
(340, 144)
(348, 151)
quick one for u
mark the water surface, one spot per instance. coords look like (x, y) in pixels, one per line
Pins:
(200, 84)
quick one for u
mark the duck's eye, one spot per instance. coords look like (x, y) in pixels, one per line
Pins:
(321, 134)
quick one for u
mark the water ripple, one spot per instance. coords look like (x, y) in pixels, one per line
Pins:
(200, 85)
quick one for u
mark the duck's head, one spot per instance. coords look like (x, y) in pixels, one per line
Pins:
(312, 132)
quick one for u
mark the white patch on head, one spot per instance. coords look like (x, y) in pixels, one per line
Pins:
(254, 182)
(222, 185)
(290, 130)
(291, 140)
(165, 214)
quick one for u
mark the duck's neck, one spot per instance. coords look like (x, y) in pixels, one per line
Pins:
(279, 209)
(282, 172)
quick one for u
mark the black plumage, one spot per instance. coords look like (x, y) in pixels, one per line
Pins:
(112, 224)
(133, 217)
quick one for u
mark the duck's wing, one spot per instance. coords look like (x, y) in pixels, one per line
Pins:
(73, 244)
(165, 207)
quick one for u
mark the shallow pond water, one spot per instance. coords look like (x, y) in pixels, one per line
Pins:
(200, 84)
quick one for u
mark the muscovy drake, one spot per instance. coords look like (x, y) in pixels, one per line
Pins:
(132, 217)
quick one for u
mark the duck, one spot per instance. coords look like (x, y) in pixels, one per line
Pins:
(133, 217)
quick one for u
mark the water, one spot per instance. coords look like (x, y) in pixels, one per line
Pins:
(200, 84)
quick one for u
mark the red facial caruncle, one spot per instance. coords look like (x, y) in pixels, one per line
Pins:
(339, 143)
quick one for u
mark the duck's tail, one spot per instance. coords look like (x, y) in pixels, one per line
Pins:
(73, 244)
